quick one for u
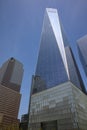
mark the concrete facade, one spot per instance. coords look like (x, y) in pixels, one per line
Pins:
(11, 74)
(9, 106)
(63, 107)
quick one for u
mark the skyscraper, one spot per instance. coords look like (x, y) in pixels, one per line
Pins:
(63, 106)
(82, 47)
(52, 65)
(11, 74)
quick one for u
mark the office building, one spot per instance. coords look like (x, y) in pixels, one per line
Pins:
(75, 74)
(57, 101)
(9, 106)
(11, 74)
(52, 67)
(82, 47)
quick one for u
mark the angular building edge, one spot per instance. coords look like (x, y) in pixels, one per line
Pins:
(11, 74)
(61, 107)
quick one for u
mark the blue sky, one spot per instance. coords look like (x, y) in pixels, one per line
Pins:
(20, 31)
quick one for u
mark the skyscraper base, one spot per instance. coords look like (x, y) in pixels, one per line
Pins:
(63, 107)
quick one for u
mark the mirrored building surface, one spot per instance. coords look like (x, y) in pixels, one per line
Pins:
(56, 101)
(52, 66)
(82, 47)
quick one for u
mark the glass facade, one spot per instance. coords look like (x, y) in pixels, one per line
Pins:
(52, 66)
(73, 71)
(64, 103)
(82, 47)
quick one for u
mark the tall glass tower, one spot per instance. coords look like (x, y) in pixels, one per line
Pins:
(52, 67)
(58, 75)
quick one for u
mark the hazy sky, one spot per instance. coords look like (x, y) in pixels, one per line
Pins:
(20, 30)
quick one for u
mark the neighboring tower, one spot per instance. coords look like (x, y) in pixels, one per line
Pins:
(75, 76)
(11, 74)
(73, 70)
(52, 67)
(82, 46)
